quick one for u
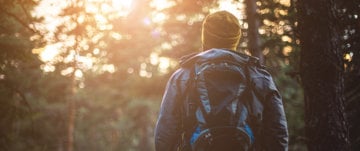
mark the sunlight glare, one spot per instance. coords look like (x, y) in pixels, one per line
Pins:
(159, 17)
(285, 2)
(47, 68)
(164, 64)
(116, 36)
(147, 21)
(85, 62)
(161, 4)
(91, 8)
(108, 68)
(166, 46)
(231, 6)
(78, 74)
(154, 58)
(287, 50)
(143, 72)
(96, 51)
(101, 19)
(286, 39)
(122, 3)
(67, 71)
(348, 57)
(47, 53)
(122, 6)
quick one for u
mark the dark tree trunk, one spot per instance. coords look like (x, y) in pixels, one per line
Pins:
(351, 28)
(322, 75)
(254, 44)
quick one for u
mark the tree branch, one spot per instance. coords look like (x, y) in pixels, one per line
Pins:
(18, 20)
(28, 16)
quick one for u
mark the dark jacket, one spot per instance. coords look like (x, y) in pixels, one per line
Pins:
(268, 109)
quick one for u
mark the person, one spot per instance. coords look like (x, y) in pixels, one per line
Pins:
(220, 37)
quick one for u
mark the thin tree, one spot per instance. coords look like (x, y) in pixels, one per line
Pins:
(253, 36)
(322, 74)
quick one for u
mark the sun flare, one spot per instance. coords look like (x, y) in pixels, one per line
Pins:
(122, 3)
(161, 4)
(102, 13)
(123, 7)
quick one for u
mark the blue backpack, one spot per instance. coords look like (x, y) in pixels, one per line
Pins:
(217, 107)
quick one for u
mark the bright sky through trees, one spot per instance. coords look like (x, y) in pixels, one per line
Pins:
(105, 10)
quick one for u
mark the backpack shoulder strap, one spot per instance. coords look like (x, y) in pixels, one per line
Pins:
(254, 105)
(189, 106)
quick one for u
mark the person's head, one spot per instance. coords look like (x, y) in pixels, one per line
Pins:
(220, 30)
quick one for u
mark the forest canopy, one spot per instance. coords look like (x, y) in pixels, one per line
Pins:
(90, 74)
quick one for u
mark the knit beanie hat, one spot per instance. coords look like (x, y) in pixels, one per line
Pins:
(220, 30)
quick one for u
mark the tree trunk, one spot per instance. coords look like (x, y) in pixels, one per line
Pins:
(71, 121)
(72, 103)
(254, 44)
(322, 75)
(351, 28)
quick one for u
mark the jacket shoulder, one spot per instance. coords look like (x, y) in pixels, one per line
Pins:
(180, 77)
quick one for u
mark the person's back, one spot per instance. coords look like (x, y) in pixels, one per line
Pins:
(188, 116)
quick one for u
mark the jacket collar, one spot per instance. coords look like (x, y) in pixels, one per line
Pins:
(215, 54)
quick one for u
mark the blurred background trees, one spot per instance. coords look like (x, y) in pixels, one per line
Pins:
(89, 75)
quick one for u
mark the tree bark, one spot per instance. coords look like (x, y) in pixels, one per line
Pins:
(71, 120)
(351, 44)
(322, 74)
(254, 44)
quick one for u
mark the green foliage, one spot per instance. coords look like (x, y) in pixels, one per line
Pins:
(19, 71)
(281, 52)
